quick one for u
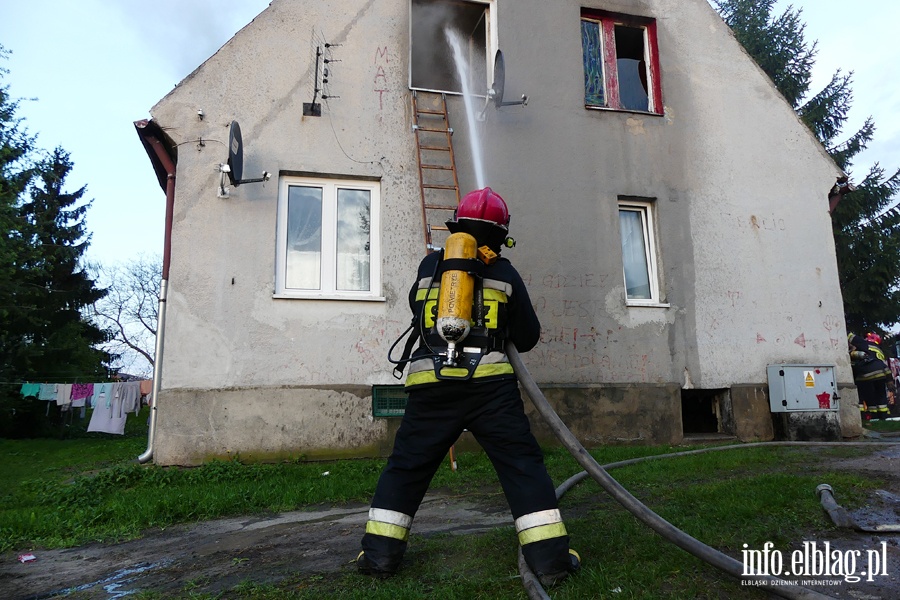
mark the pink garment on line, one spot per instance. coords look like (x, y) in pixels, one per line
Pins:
(82, 390)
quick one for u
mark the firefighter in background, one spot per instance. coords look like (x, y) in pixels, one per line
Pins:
(460, 379)
(891, 385)
(871, 374)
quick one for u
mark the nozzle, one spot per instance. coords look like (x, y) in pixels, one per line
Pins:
(509, 242)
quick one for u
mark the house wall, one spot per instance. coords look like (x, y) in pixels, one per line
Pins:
(746, 253)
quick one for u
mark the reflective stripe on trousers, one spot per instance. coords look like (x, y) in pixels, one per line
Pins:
(388, 523)
(539, 526)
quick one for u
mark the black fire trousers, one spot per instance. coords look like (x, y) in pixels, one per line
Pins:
(435, 417)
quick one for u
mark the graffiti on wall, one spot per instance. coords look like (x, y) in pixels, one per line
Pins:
(571, 341)
(380, 80)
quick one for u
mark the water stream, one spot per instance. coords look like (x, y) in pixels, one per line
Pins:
(463, 70)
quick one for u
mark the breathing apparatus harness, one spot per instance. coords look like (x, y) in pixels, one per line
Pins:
(458, 315)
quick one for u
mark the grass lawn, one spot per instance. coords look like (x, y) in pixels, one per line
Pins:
(66, 492)
(883, 426)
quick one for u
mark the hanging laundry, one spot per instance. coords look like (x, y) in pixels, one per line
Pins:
(108, 416)
(100, 392)
(80, 393)
(48, 392)
(130, 397)
(30, 389)
(146, 387)
(63, 393)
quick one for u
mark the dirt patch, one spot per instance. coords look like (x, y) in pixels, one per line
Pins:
(215, 556)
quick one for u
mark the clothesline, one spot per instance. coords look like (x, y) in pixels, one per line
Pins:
(76, 394)
(111, 401)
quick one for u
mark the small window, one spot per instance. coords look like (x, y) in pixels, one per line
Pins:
(636, 226)
(431, 57)
(621, 62)
(328, 239)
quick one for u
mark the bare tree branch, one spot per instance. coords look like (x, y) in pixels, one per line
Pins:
(130, 310)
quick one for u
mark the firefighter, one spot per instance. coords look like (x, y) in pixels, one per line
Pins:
(871, 374)
(463, 381)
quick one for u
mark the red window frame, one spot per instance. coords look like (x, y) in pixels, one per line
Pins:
(607, 22)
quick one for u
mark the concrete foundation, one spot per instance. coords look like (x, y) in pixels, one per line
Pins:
(269, 424)
(752, 419)
(325, 423)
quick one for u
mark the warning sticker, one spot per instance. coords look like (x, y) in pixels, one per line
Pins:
(809, 379)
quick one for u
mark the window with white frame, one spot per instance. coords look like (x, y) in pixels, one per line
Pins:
(431, 56)
(327, 235)
(621, 62)
(636, 226)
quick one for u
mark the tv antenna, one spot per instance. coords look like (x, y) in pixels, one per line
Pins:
(495, 93)
(234, 167)
(314, 109)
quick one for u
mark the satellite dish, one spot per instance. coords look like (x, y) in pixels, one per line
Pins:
(495, 94)
(235, 154)
(234, 168)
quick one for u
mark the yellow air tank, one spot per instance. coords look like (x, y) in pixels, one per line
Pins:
(454, 317)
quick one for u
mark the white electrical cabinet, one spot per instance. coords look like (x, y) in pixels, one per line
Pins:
(802, 388)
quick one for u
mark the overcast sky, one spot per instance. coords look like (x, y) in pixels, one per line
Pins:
(96, 66)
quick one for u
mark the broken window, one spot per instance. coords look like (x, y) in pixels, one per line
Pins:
(431, 59)
(327, 238)
(621, 62)
(636, 227)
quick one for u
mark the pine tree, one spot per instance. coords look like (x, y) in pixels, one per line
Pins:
(61, 340)
(45, 333)
(866, 223)
(16, 174)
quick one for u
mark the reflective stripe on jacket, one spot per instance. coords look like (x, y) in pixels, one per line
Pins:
(494, 364)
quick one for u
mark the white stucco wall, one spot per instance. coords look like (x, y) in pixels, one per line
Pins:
(225, 328)
(740, 189)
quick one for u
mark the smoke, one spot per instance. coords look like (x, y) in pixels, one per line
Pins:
(432, 62)
(185, 33)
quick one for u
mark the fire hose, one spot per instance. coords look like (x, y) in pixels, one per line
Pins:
(453, 324)
(668, 531)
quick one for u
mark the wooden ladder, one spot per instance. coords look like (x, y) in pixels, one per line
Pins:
(438, 181)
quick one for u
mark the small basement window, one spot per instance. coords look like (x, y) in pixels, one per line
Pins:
(699, 412)
(431, 59)
(621, 62)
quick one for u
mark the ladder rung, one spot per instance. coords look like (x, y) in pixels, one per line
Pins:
(433, 128)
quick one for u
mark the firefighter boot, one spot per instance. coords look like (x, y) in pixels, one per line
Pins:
(367, 566)
(549, 580)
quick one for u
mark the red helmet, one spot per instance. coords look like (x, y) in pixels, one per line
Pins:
(873, 337)
(484, 205)
(484, 215)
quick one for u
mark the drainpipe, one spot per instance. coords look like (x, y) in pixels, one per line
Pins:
(169, 167)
